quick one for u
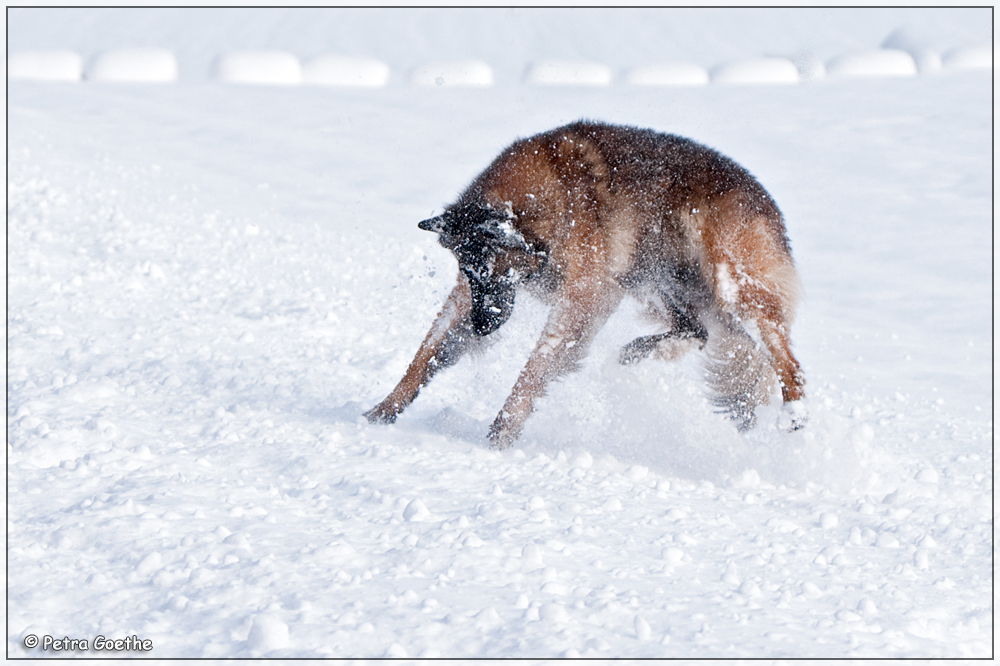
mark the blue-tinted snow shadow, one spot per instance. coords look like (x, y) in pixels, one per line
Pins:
(447, 422)
(659, 416)
(638, 418)
(452, 423)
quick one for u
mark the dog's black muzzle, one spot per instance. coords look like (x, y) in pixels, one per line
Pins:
(492, 302)
(435, 224)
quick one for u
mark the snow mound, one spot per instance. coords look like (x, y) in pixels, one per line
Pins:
(45, 65)
(267, 633)
(668, 74)
(415, 512)
(145, 65)
(969, 57)
(757, 71)
(878, 63)
(331, 69)
(453, 73)
(927, 59)
(260, 67)
(568, 73)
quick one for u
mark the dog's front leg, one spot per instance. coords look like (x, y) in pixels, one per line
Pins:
(450, 337)
(573, 323)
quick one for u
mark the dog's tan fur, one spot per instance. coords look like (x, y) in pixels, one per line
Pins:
(594, 212)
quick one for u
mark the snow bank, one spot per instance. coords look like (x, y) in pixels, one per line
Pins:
(765, 70)
(406, 37)
(261, 67)
(137, 65)
(667, 74)
(969, 57)
(568, 73)
(331, 69)
(45, 65)
(878, 63)
(453, 73)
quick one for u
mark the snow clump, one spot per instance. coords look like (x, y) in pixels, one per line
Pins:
(45, 65)
(148, 65)
(416, 512)
(267, 633)
(877, 63)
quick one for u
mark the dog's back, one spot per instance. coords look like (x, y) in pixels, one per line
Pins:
(661, 203)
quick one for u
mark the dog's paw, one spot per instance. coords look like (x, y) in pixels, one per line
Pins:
(382, 413)
(501, 434)
(743, 420)
(793, 416)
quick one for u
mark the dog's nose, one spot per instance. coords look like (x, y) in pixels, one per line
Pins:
(435, 224)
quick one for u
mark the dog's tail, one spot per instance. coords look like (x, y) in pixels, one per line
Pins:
(738, 373)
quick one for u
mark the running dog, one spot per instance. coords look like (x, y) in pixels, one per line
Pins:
(583, 215)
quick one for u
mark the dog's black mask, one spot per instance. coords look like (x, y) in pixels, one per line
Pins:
(476, 234)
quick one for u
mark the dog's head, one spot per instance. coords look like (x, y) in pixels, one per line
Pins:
(486, 244)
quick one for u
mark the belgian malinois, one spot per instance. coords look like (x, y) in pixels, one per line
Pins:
(584, 214)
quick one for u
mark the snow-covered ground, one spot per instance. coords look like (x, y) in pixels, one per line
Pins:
(208, 284)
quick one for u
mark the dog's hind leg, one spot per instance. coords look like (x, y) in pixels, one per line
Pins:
(775, 338)
(640, 348)
(668, 346)
(763, 304)
(451, 335)
(676, 302)
(684, 335)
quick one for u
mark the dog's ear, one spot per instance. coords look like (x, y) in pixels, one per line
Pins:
(435, 224)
